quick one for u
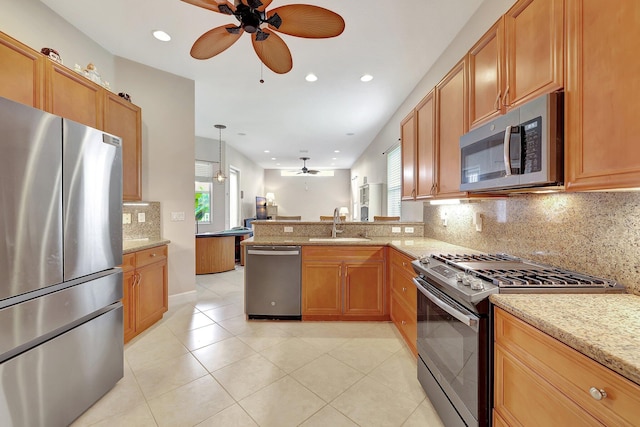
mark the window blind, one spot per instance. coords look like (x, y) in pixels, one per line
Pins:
(394, 182)
(204, 170)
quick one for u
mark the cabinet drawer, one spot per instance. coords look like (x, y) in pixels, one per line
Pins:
(128, 262)
(402, 261)
(405, 320)
(402, 286)
(570, 371)
(149, 256)
(344, 253)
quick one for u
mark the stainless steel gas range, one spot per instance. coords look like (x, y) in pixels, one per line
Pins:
(455, 327)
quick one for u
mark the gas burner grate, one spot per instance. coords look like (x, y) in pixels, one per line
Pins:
(542, 277)
(455, 258)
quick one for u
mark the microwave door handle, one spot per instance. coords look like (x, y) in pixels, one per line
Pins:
(467, 320)
(507, 151)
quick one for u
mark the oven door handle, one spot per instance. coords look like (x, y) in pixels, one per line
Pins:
(471, 322)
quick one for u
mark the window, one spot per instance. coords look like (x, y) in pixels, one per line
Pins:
(394, 182)
(203, 181)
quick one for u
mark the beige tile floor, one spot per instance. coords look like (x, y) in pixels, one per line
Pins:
(204, 364)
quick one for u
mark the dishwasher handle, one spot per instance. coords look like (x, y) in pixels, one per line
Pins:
(273, 253)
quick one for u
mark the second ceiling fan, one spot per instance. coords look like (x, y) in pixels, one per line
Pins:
(298, 20)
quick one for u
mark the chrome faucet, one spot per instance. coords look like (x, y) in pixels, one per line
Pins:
(336, 221)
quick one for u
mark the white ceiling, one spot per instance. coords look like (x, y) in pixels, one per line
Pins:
(395, 41)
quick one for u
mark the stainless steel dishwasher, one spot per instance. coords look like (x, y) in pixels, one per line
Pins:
(272, 282)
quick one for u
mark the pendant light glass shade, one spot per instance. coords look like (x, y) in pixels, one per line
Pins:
(220, 176)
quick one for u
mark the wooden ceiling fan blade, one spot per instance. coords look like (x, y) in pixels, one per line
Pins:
(214, 42)
(213, 5)
(273, 52)
(312, 22)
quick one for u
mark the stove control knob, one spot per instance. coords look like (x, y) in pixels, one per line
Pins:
(466, 279)
(477, 285)
(424, 259)
(459, 276)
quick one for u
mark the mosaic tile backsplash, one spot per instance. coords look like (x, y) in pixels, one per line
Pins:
(595, 233)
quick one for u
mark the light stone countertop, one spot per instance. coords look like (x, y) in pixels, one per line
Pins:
(412, 246)
(133, 245)
(604, 327)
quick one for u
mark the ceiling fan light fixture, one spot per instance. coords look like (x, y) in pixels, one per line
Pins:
(366, 78)
(161, 35)
(311, 77)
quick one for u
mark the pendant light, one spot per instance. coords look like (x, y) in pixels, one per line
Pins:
(220, 176)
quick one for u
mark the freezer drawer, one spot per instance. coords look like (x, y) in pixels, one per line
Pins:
(52, 384)
(272, 278)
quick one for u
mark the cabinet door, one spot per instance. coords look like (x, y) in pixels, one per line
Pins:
(124, 119)
(425, 149)
(364, 289)
(408, 148)
(534, 43)
(151, 294)
(128, 290)
(72, 96)
(486, 75)
(21, 73)
(451, 124)
(522, 397)
(601, 98)
(321, 288)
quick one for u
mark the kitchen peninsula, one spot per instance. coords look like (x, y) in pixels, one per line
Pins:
(219, 251)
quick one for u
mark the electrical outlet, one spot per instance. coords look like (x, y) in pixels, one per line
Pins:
(288, 229)
(408, 229)
(126, 218)
(177, 216)
(142, 217)
(396, 229)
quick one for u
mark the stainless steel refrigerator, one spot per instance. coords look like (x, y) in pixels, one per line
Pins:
(61, 331)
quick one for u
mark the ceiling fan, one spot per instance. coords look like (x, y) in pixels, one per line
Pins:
(306, 170)
(298, 20)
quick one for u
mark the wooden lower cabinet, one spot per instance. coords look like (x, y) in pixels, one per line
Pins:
(540, 381)
(344, 283)
(403, 297)
(145, 293)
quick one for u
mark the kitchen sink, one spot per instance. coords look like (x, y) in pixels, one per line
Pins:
(339, 239)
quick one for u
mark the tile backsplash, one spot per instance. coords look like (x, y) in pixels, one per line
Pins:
(150, 228)
(595, 233)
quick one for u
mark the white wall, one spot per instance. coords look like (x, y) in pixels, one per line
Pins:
(251, 182)
(168, 152)
(372, 163)
(167, 103)
(307, 195)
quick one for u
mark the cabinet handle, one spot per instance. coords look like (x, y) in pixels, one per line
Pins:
(597, 394)
(403, 322)
(153, 254)
(404, 289)
(506, 97)
(404, 264)
(496, 104)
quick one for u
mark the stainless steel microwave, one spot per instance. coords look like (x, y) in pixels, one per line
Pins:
(523, 148)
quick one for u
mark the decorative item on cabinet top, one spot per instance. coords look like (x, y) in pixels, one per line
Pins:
(52, 54)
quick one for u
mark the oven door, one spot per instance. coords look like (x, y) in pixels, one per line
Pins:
(449, 345)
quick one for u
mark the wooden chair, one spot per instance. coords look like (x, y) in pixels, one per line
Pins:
(330, 218)
(386, 218)
(288, 218)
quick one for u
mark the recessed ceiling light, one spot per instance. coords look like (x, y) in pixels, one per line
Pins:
(366, 78)
(161, 35)
(336, 151)
(273, 158)
(266, 151)
(334, 158)
(311, 77)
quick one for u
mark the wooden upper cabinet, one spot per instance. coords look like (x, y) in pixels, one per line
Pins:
(425, 147)
(408, 149)
(451, 124)
(486, 76)
(602, 96)
(70, 95)
(534, 38)
(21, 72)
(124, 119)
